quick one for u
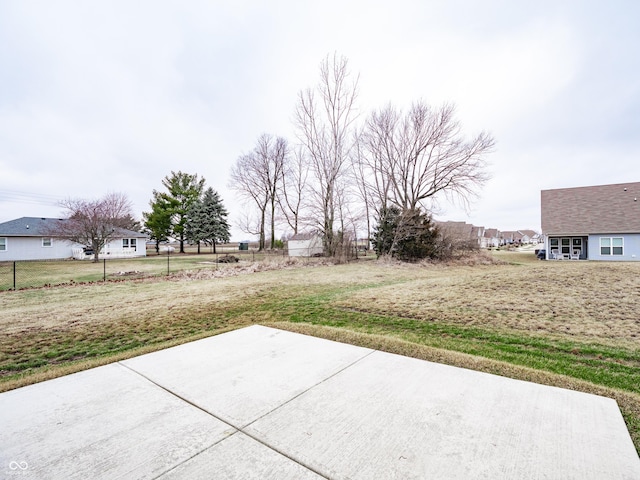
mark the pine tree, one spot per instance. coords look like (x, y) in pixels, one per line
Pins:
(157, 223)
(407, 235)
(207, 220)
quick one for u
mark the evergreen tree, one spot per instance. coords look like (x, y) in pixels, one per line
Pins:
(207, 220)
(407, 235)
(384, 232)
(157, 223)
(183, 190)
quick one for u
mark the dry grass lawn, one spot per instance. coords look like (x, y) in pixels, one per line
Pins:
(574, 300)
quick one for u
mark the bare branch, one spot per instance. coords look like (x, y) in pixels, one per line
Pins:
(93, 222)
(419, 155)
(324, 128)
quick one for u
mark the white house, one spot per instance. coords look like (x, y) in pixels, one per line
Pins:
(305, 245)
(26, 238)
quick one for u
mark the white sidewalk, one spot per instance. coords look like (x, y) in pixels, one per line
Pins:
(260, 403)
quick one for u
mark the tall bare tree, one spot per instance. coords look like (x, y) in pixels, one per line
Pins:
(361, 186)
(422, 154)
(325, 118)
(292, 188)
(93, 222)
(256, 176)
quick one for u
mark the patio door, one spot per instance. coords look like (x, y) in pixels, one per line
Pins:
(576, 246)
(567, 246)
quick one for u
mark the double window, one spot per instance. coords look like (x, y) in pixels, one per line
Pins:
(47, 242)
(611, 246)
(129, 243)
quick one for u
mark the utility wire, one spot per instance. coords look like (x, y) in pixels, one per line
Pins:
(29, 197)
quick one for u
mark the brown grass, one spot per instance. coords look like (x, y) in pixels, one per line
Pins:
(584, 301)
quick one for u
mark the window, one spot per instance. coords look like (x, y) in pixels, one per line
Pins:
(3, 244)
(611, 246)
(47, 242)
(129, 243)
(617, 245)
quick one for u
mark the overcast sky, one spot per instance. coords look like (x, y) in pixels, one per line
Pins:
(99, 97)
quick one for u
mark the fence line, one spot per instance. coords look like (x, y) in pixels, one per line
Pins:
(16, 275)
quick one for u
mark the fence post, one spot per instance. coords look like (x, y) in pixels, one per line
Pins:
(104, 269)
(14, 276)
(168, 253)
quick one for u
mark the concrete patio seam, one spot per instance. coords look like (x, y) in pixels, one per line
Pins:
(307, 390)
(240, 429)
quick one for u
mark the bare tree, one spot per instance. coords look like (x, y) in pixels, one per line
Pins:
(422, 154)
(292, 187)
(360, 175)
(256, 176)
(93, 222)
(324, 128)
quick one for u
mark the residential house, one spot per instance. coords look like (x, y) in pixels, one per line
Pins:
(461, 233)
(512, 237)
(27, 238)
(492, 238)
(305, 245)
(529, 236)
(596, 223)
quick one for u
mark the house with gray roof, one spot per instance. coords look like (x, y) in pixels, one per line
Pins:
(28, 238)
(596, 223)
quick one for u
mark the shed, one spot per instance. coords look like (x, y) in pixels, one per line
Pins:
(305, 245)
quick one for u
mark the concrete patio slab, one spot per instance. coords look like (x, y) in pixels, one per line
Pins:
(245, 374)
(240, 458)
(107, 422)
(396, 417)
(268, 404)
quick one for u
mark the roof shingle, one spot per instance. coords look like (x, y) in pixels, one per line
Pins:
(591, 210)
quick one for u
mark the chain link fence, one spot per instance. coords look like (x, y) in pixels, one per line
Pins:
(42, 273)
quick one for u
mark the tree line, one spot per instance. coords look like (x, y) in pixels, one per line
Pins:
(347, 173)
(185, 210)
(188, 212)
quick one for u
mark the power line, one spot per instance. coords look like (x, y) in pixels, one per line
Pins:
(15, 196)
